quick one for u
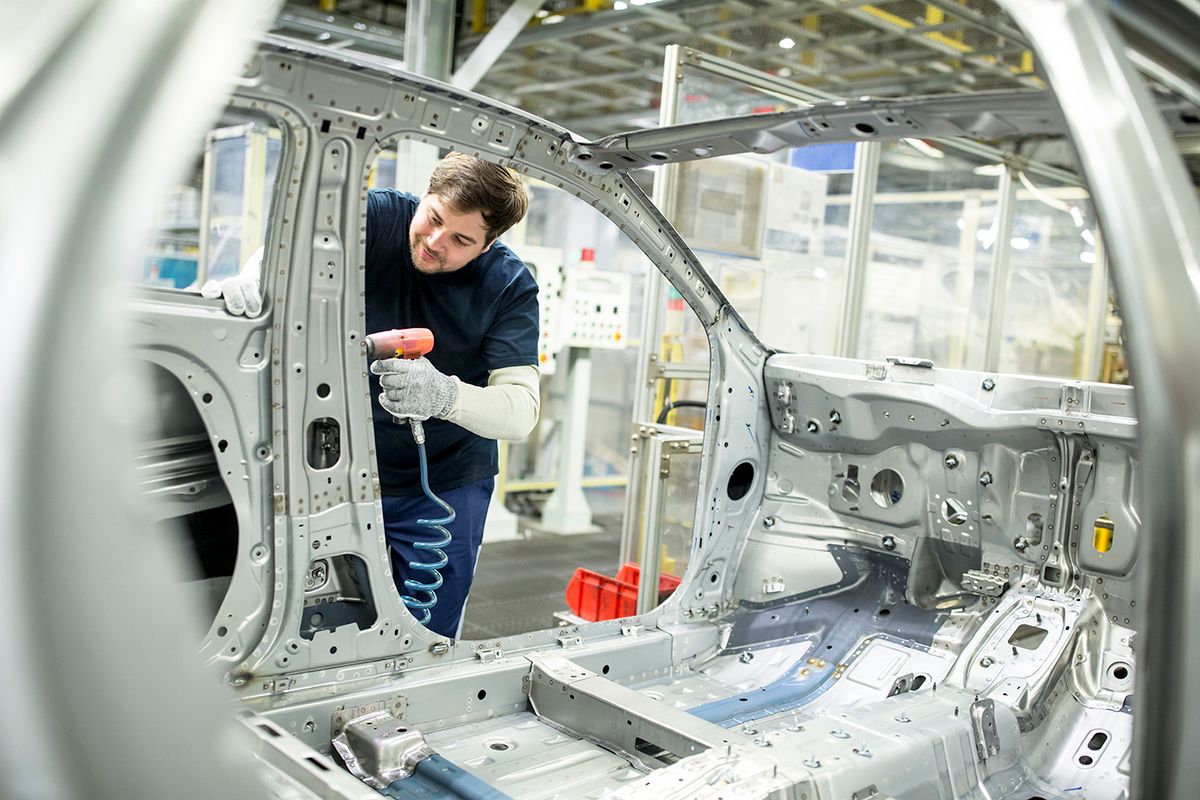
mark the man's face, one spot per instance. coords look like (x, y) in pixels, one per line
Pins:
(443, 240)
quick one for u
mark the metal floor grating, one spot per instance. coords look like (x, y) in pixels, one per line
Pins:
(520, 584)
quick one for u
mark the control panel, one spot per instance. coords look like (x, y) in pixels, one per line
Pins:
(578, 304)
(546, 263)
(599, 308)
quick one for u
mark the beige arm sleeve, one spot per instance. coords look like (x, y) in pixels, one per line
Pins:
(507, 408)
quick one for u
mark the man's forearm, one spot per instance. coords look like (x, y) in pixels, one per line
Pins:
(507, 408)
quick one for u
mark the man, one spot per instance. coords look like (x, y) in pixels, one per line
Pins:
(434, 262)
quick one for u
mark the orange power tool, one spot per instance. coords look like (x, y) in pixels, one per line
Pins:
(410, 343)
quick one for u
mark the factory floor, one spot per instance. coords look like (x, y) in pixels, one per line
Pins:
(520, 584)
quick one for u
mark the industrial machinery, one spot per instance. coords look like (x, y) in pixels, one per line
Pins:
(904, 582)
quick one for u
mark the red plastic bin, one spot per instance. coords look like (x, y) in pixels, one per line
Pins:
(596, 597)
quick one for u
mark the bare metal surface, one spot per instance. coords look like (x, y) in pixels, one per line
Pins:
(86, 654)
(575, 698)
(379, 748)
(500, 751)
(784, 645)
(974, 116)
(871, 617)
(291, 770)
(1130, 164)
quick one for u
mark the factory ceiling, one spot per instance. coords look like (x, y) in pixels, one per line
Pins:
(596, 65)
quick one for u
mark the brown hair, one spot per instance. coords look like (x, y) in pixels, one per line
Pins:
(471, 184)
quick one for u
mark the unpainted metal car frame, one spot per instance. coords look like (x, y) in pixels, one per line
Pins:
(901, 599)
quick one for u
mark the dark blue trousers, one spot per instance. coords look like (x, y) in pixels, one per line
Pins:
(400, 515)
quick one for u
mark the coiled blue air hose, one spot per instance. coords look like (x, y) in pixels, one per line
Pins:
(435, 548)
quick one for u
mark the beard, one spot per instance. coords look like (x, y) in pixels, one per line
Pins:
(423, 259)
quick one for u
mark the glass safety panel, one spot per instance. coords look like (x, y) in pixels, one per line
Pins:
(1050, 319)
(929, 262)
(211, 223)
(675, 533)
(564, 240)
(769, 229)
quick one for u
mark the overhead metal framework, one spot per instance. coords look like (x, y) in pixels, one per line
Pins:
(596, 65)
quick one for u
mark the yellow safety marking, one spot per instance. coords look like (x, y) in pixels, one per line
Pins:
(954, 43)
(479, 16)
(1102, 534)
(905, 24)
(812, 22)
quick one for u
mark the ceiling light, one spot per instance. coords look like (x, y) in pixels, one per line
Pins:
(553, 19)
(819, 273)
(990, 170)
(1087, 257)
(787, 43)
(542, 13)
(1088, 237)
(784, 72)
(1053, 202)
(1019, 243)
(924, 148)
(619, 6)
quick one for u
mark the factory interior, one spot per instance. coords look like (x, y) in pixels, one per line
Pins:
(837, 308)
(926, 277)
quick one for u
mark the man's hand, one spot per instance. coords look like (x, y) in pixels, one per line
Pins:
(414, 388)
(241, 292)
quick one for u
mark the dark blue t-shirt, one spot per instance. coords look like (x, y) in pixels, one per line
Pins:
(483, 317)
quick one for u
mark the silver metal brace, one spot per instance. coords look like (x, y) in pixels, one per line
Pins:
(488, 654)
(983, 719)
(568, 640)
(1074, 400)
(396, 706)
(979, 582)
(380, 749)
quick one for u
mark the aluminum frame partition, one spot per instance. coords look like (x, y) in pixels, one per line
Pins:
(858, 245)
(651, 368)
(658, 444)
(998, 290)
(429, 38)
(1093, 352)
(666, 181)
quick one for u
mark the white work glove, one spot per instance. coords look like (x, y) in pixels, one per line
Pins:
(241, 292)
(414, 388)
